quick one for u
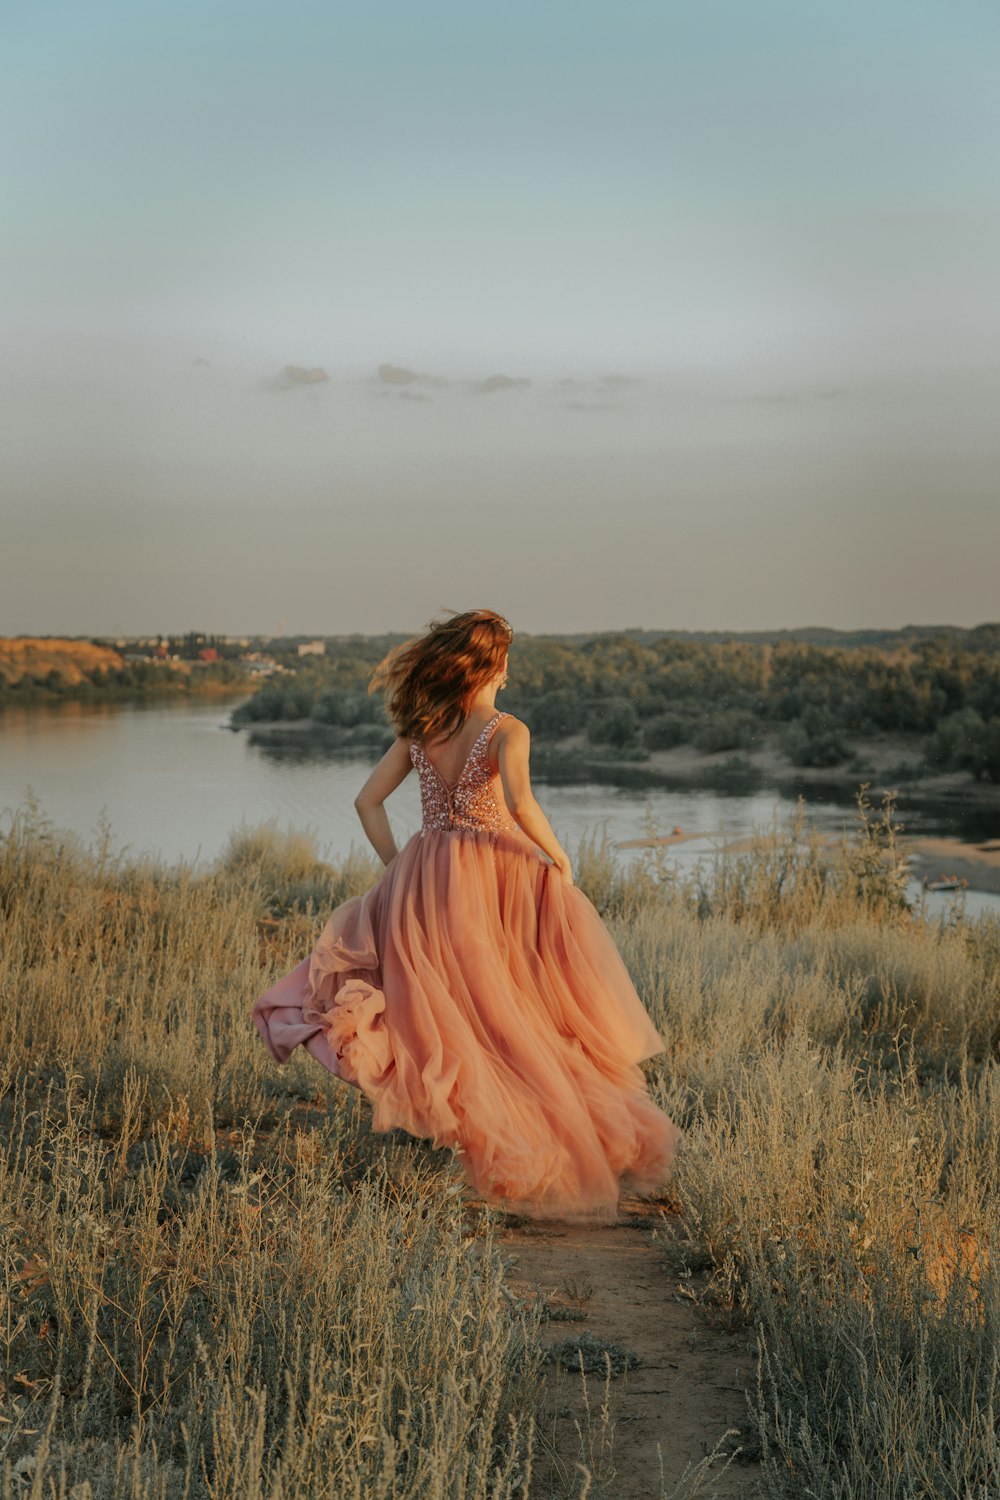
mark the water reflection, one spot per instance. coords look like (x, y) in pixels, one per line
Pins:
(174, 780)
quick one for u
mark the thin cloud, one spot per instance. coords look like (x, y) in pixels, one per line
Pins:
(494, 383)
(396, 375)
(299, 375)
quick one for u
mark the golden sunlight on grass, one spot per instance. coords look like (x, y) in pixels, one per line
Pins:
(219, 1282)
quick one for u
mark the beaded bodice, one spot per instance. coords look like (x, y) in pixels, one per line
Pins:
(473, 801)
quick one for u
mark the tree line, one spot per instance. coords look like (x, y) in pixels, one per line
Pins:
(135, 679)
(628, 697)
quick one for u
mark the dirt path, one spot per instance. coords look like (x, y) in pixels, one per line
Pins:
(619, 1284)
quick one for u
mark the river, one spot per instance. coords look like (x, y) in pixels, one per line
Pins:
(172, 780)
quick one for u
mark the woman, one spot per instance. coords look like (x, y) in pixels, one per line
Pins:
(473, 993)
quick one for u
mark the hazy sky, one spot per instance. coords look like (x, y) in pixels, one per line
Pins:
(745, 257)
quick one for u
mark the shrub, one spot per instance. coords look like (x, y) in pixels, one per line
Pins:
(612, 723)
(733, 729)
(808, 743)
(664, 731)
(964, 741)
(557, 714)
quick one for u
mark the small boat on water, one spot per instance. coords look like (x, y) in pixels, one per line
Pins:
(945, 883)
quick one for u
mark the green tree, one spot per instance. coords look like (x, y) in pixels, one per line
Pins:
(664, 731)
(613, 723)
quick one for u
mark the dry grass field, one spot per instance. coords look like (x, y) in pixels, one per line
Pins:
(75, 661)
(218, 1282)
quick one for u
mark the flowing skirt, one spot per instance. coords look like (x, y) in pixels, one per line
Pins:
(480, 1003)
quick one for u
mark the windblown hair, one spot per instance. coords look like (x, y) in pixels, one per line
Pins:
(427, 682)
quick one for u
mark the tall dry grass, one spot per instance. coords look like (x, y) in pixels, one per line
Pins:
(217, 1282)
(833, 1056)
(220, 1283)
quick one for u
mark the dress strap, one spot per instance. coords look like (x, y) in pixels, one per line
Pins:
(490, 730)
(491, 726)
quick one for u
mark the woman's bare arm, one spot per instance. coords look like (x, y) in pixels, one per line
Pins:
(393, 768)
(513, 752)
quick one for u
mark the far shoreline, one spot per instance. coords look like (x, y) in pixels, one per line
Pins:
(877, 761)
(574, 762)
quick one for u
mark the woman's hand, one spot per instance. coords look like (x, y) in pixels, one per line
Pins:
(565, 868)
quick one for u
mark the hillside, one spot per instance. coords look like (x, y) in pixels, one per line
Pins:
(75, 661)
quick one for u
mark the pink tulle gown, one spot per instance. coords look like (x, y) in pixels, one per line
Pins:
(480, 1003)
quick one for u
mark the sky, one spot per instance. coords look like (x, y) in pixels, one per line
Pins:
(737, 265)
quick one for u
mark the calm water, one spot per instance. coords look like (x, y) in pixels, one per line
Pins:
(173, 780)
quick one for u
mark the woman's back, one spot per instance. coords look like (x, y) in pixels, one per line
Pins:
(474, 799)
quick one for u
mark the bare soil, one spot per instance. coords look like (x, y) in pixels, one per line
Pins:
(625, 1286)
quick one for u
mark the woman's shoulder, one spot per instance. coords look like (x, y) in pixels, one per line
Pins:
(508, 733)
(509, 725)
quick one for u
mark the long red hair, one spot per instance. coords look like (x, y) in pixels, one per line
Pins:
(427, 682)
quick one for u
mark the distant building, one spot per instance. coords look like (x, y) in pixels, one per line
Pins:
(208, 653)
(312, 648)
(260, 666)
